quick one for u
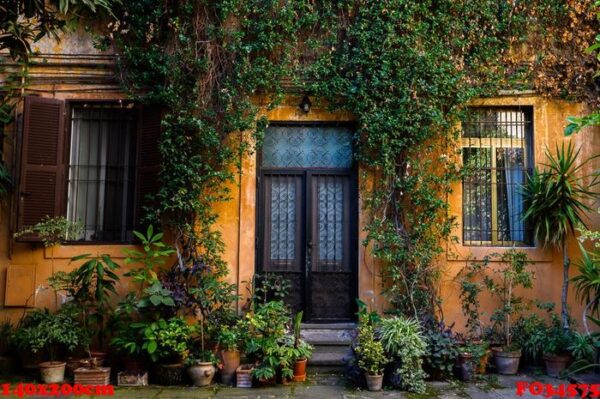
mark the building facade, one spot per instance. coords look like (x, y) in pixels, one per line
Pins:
(79, 148)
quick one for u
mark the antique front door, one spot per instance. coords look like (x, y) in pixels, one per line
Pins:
(308, 217)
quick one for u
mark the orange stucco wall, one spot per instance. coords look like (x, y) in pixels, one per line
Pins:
(238, 217)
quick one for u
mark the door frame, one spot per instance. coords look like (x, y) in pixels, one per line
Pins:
(304, 173)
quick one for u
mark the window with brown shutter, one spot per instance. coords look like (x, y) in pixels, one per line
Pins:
(42, 161)
(148, 161)
(95, 165)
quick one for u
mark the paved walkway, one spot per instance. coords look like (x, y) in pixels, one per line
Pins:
(333, 386)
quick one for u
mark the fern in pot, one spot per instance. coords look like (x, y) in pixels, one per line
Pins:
(404, 342)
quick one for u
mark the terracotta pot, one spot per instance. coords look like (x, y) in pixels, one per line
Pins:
(556, 364)
(53, 372)
(244, 376)
(465, 366)
(374, 382)
(201, 373)
(169, 374)
(231, 361)
(483, 362)
(300, 370)
(96, 376)
(507, 363)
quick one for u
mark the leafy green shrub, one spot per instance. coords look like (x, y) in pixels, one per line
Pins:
(42, 330)
(441, 350)
(402, 339)
(267, 342)
(530, 333)
(229, 338)
(369, 351)
(52, 230)
(167, 340)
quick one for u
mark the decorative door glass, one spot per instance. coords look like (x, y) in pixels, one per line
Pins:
(307, 196)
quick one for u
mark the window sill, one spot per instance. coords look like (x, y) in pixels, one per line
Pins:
(68, 251)
(460, 252)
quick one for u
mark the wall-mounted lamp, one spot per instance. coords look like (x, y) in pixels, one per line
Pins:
(305, 104)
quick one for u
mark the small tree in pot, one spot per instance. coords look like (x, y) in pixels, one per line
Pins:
(512, 275)
(229, 339)
(555, 203)
(370, 356)
(42, 330)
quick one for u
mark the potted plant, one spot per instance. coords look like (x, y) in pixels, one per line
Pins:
(404, 342)
(302, 350)
(167, 344)
(556, 201)
(371, 356)
(469, 360)
(513, 273)
(267, 344)
(440, 349)
(201, 368)
(89, 290)
(42, 330)
(229, 340)
(557, 356)
(6, 358)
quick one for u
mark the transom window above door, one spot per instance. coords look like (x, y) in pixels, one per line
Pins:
(307, 147)
(497, 156)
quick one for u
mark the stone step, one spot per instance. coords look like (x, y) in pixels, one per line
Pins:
(326, 356)
(326, 336)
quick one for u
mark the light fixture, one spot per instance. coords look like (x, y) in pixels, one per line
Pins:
(305, 104)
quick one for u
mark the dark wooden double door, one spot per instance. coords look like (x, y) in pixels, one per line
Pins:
(308, 235)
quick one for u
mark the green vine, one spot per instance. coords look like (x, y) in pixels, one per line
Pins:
(406, 70)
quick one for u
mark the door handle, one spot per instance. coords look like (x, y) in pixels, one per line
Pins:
(308, 255)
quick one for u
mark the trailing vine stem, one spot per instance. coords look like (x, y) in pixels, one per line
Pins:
(405, 70)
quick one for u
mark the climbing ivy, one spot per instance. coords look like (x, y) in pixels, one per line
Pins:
(404, 69)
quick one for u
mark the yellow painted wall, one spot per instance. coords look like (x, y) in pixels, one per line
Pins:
(238, 218)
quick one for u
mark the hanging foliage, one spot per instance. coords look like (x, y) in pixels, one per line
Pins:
(404, 69)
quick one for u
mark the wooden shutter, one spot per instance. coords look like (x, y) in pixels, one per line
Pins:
(148, 161)
(41, 183)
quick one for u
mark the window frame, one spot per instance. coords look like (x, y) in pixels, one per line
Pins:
(69, 105)
(495, 143)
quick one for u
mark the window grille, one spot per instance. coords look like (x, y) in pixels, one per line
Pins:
(101, 178)
(497, 157)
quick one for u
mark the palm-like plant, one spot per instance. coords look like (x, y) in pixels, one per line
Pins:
(555, 202)
(587, 283)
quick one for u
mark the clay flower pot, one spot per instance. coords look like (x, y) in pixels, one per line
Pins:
(244, 376)
(300, 370)
(53, 372)
(556, 364)
(374, 382)
(201, 373)
(231, 361)
(507, 362)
